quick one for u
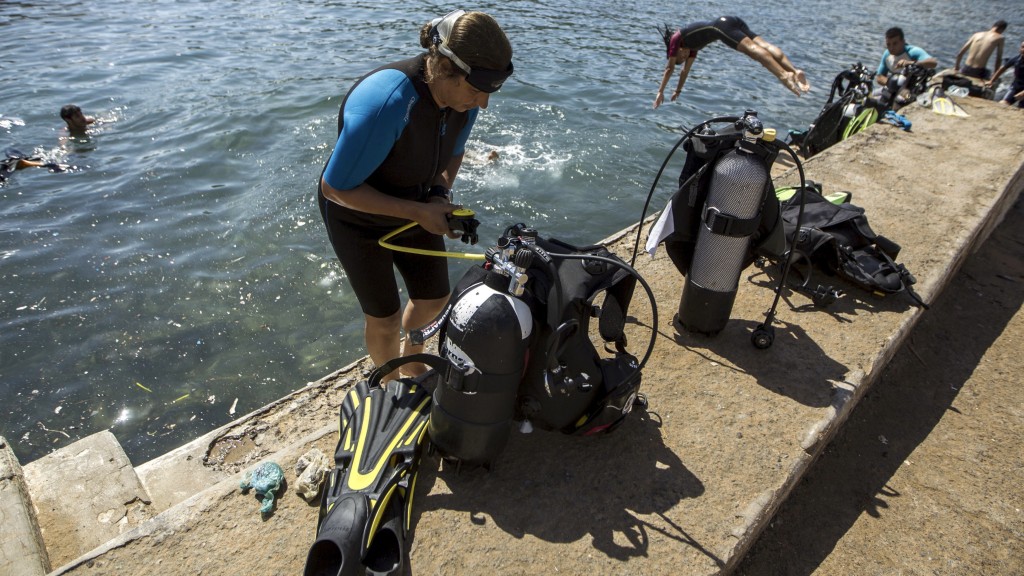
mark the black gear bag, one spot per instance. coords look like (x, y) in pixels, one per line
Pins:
(836, 238)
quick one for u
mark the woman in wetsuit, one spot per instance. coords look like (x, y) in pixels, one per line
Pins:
(402, 132)
(683, 44)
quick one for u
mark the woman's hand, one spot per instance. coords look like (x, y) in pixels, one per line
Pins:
(433, 216)
(658, 100)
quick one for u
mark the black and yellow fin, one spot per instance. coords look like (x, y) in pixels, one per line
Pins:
(365, 509)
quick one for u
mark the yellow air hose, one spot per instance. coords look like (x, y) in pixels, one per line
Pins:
(460, 213)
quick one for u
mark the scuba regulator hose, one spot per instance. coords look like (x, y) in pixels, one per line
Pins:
(567, 328)
(764, 334)
(461, 220)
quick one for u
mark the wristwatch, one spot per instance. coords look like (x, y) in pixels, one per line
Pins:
(438, 190)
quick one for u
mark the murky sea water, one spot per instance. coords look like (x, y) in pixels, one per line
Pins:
(181, 271)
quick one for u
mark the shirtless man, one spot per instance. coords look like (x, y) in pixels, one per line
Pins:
(978, 49)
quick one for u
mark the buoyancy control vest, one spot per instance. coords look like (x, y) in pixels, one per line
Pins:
(848, 110)
(724, 213)
(566, 376)
(835, 236)
(516, 336)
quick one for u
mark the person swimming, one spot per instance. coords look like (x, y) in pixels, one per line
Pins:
(683, 44)
(76, 120)
(16, 160)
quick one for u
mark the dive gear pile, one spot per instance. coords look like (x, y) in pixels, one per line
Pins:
(515, 346)
(722, 216)
(851, 107)
(904, 87)
(834, 236)
(848, 110)
(516, 337)
(975, 87)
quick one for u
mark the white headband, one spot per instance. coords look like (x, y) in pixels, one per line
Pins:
(443, 30)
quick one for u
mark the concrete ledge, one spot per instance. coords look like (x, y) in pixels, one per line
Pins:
(21, 549)
(85, 494)
(686, 487)
(194, 536)
(733, 429)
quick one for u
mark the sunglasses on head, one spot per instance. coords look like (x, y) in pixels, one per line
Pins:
(486, 80)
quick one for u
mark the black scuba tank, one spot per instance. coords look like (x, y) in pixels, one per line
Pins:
(486, 339)
(731, 215)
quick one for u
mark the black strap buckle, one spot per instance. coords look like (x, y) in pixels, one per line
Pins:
(727, 225)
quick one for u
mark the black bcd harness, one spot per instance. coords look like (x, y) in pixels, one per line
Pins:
(703, 150)
(836, 238)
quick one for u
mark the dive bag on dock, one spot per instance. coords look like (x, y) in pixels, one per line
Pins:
(835, 237)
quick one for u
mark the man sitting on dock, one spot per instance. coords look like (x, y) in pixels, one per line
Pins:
(978, 49)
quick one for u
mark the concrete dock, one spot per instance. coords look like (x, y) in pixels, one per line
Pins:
(684, 488)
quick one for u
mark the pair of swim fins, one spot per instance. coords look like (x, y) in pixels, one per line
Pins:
(366, 504)
(942, 104)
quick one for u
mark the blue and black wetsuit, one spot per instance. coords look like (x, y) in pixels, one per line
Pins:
(392, 136)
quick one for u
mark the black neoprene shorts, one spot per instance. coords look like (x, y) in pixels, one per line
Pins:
(729, 29)
(371, 268)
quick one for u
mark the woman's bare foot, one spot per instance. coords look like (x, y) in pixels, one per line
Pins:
(789, 81)
(801, 80)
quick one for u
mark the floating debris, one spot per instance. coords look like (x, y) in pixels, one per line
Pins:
(45, 429)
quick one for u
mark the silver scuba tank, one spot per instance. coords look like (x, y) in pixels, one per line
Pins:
(731, 215)
(486, 341)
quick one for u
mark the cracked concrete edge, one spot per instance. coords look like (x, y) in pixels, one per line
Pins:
(187, 461)
(182, 515)
(21, 549)
(83, 494)
(846, 395)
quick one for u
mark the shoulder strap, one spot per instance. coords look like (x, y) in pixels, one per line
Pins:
(436, 362)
